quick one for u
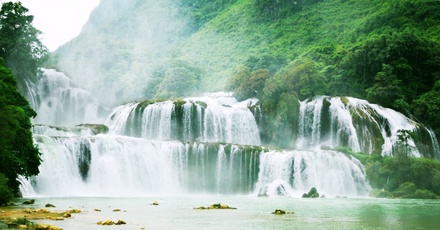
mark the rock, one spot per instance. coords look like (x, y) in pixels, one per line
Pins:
(120, 222)
(313, 193)
(97, 210)
(47, 227)
(116, 210)
(216, 206)
(27, 202)
(43, 210)
(73, 211)
(49, 205)
(281, 212)
(155, 203)
(22, 226)
(96, 128)
(108, 222)
(67, 215)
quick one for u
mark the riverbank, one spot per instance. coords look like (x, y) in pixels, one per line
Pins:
(23, 216)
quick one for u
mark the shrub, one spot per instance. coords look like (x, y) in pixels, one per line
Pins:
(6, 194)
(424, 194)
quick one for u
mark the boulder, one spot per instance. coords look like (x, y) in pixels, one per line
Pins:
(281, 212)
(313, 193)
(216, 206)
(28, 202)
(120, 222)
(49, 205)
(108, 222)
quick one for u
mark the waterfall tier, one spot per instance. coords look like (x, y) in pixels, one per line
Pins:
(125, 166)
(355, 123)
(59, 103)
(215, 118)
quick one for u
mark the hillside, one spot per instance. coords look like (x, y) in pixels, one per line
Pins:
(384, 51)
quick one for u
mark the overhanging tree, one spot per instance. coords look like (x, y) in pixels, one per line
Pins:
(20, 47)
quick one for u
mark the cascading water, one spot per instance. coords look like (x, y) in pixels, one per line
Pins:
(359, 125)
(59, 103)
(208, 144)
(218, 118)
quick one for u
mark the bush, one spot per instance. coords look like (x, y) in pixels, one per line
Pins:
(6, 194)
(405, 190)
(424, 194)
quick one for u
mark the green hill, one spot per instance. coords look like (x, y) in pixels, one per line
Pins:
(385, 51)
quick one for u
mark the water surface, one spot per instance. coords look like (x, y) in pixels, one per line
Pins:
(252, 213)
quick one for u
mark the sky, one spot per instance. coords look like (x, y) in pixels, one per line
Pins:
(59, 20)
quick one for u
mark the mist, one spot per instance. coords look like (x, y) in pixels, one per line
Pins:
(133, 50)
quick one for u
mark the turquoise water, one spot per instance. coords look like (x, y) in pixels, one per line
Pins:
(251, 213)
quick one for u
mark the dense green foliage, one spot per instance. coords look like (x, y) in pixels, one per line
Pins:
(167, 81)
(18, 155)
(21, 50)
(20, 47)
(400, 176)
(5, 192)
(386, 52)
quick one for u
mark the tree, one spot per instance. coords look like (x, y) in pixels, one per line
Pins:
(386, 89)
(304, 78)
(20, 47)
(18, 154)
(246, 84)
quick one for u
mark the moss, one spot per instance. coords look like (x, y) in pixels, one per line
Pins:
(143, 104)
(201, 103)
(179, 102)
(344, 101)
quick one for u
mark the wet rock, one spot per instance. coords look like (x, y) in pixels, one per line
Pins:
(120, 222)
(108, 222)
(216, 206)
(281, 212)
(49, 205)
(73, 211)
(313, 193)
(28, 202)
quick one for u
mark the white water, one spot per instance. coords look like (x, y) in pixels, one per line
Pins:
(127, 166)
(60, 103)
(357, 124)
(223, 120)
(295, 172)
(173, 147)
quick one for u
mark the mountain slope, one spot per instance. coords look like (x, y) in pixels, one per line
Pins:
(145, 49)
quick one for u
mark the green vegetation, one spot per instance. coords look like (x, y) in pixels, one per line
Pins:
(20, 51)
(383, 51)
(18, 155)
(400, 176)
(20, 47)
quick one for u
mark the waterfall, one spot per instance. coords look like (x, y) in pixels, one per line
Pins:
(213, 118)
(295, 172)
(60, 103)
(126, 166)
(357, 124)
(206, 144)
(106, 165)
